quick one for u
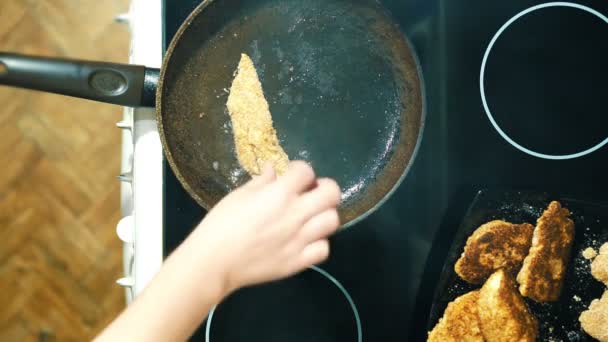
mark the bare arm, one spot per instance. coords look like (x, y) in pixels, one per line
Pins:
(174, 303)
(268, 229)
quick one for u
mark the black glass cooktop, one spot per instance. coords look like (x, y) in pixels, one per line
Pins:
(536, 120)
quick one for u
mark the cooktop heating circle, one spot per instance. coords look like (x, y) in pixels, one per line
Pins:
(327, 276)
(483, 72)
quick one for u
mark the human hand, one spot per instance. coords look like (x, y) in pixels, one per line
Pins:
(270, 228)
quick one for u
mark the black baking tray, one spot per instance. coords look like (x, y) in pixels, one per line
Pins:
(558, 321)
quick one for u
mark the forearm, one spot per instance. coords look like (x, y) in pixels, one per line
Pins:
(175, 302)
(266, 230)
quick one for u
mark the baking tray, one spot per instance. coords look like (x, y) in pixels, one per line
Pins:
(558, 321)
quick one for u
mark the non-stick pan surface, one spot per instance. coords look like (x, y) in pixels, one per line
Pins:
(342, 81)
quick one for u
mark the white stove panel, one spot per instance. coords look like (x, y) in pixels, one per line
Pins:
(141, 172)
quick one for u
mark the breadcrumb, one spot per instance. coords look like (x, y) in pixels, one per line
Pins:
(589, 253)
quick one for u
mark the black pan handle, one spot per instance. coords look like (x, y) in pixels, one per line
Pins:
(122, 84)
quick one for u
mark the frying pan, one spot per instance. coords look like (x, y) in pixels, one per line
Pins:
(342, 81)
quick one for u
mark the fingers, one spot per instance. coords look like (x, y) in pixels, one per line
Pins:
(320, 226)
(298, 178)
(313, 254)
(324, 196)
(267, 176)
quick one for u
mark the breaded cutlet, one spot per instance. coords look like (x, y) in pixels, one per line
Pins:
(542, 274)
(503, 314)
(599, 266)
(254, 135)
(459, 322)
(595, 320)
(494, 245)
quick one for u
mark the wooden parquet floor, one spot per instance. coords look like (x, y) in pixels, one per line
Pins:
(59, 198)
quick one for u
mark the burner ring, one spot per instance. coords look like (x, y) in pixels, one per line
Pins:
(329, 277)
(482, 81)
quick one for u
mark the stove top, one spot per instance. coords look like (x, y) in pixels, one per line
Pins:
(514, 95)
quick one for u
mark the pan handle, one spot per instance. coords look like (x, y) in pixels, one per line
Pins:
(122, 84)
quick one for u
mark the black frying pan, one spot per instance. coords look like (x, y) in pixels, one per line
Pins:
(342, 81)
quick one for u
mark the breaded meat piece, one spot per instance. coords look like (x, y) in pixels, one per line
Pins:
(254, 135)
(459, 322)
(604, 248)
(595, 320)
(494, 245)
(503, 314)
(599, 266)
(542, 274)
